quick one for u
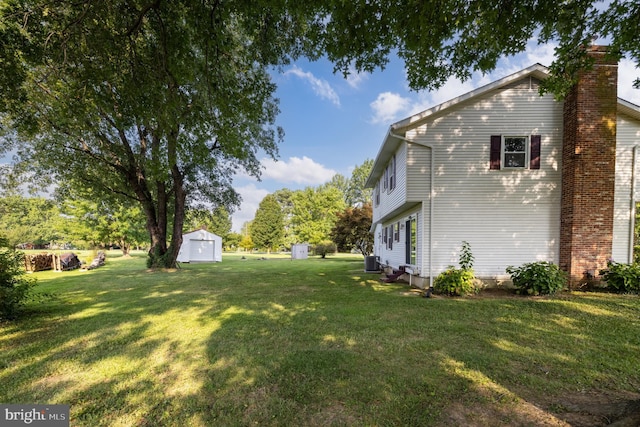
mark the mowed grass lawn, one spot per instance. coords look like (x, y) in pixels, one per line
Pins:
(314, 342)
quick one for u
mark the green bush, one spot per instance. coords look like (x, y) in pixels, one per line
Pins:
(15, 287)
(457, 281)
(622, 278)
(538, 278)
(325, 248)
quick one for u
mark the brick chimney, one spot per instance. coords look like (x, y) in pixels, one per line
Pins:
(588, 169)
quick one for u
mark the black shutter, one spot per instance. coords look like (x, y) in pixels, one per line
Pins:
(496, 145)
(534, 163)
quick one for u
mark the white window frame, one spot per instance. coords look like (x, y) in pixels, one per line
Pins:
(527, 149)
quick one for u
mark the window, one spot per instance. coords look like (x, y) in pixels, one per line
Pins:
(386, 179)
(392, 173)
(396, 231)
(513, 152)
(377, 194)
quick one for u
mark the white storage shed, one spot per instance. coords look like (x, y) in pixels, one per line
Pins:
(200, 246)
(300, 251)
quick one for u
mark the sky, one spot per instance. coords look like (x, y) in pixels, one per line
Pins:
(333, 124)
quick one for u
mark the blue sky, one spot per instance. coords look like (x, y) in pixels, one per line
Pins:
(333, 124)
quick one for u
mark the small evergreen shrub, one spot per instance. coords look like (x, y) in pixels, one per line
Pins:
(622, 278)
(15, 288)
(457, 281)
(538, 278)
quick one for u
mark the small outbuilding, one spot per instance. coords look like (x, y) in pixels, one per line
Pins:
(200, 246)
(300, 251)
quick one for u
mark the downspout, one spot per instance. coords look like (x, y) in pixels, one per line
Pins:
(632, 234)
(431, 207)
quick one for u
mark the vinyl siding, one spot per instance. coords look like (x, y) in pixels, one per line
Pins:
(392, 200)
(628, 136)
(508, 216)
(396, 256)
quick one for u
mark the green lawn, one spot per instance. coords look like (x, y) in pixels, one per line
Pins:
(314, 342)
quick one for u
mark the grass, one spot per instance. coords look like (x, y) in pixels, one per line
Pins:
(312, 342)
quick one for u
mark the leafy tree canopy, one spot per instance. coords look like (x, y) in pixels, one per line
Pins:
(314, 213)
(353, 230)
(267, 230)
(161, 102)
(217, 221)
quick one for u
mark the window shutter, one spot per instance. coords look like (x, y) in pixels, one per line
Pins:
(535, 152)
(496, 145)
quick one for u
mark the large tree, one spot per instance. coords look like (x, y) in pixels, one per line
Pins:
(162, 101)
(314, 212)
(159, 102)
(357, 194)
(353, 230)
(267, 229)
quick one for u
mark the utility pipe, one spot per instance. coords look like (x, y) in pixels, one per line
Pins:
(634, 158)
(431, 208)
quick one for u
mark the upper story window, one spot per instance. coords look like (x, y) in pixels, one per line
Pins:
(391, 168)
(377, 194)
(515, 152)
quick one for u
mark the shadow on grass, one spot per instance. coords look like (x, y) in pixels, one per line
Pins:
(306, 342)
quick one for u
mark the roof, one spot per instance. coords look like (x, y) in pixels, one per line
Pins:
(201, 232)
(396, 132)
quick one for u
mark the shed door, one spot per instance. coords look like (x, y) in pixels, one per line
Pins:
(201, 250)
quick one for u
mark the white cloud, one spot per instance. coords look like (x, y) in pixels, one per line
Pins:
(388, 107)
(627, 73)
(296, 170)
(251, 198)
(321, 87)
(355, 79)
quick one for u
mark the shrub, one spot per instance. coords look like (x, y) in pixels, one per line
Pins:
(324, 248)
(457, 281)
(622, 278)
(538, 278)
(15, 287)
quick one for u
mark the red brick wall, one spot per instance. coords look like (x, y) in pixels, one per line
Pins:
(588, 169)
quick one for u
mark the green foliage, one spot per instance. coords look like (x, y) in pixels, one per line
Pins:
(466, 257)
(325, 248)
(159, 259)
(232, 241)
(217, 221)
(538, 278)
(357, 194)
(267, 229)
(315, 212)
(622, 278)
(458, 281)
(15, 287)
(30, 220)
(455, 282)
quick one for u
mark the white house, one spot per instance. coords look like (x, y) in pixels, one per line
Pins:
(520, 176)
(200, 245)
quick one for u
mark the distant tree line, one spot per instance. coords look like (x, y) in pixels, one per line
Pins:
(76, 219)
(336, 214)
